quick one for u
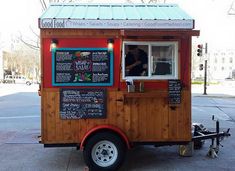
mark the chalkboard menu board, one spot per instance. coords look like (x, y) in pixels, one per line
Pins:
(174, 91)
(82, 67)
(82, 103)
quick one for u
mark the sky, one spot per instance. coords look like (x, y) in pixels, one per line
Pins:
(216, 27)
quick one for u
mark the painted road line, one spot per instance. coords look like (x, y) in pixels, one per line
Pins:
(18, 117)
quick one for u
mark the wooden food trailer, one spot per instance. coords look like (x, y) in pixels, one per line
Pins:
(114, 76)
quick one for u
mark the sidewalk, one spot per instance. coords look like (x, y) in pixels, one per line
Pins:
(226, 90)
(7, 89)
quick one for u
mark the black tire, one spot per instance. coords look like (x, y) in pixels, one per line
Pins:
(28, 83)
(100, 153)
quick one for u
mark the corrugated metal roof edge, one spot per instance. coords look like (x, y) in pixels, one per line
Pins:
(110, 5)
(113, 4)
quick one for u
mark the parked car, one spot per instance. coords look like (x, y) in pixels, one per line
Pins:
(17, 79)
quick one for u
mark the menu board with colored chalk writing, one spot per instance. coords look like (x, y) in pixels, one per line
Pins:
(82, 67)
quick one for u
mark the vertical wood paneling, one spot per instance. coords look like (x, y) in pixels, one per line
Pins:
(134, 103)
(67, 130)
(58, 123)
(43, 117)
(50, 115)
(141, 119)
(165, 119)
(142, 122)
(120, 110)
(180, 119)
(82, 128)
(173, 123)
(156, 116)
(151, 119)
(187, 116)
(112, 107)
(127, 117)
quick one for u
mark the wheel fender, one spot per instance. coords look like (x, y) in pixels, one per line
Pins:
(105, 127)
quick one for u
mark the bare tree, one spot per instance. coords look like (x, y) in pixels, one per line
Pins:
(231, 10)
(43, 4)
(22, 60)
(1, 42)
(33, 43)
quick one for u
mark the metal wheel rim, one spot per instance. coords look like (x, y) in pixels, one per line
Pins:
(104, 153)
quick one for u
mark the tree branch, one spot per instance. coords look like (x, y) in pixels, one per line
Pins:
(30, 45)
(34, 32)
(42, 5)
(231, 10)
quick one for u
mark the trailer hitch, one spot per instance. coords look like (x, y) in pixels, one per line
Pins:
(201, 134)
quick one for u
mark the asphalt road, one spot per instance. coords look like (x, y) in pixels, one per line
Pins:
(20, 126)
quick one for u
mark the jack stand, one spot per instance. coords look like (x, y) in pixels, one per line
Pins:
(214, 149)
(212, 153)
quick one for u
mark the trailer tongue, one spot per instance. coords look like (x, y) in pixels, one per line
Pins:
(200, 134)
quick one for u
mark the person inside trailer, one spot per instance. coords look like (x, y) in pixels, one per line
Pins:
(136, 61)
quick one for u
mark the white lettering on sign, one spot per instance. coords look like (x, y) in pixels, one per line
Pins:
(117, 24)
(82, 65)
(46, 23)
(59, 23)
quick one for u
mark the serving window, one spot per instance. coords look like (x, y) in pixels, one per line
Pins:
(150, 60)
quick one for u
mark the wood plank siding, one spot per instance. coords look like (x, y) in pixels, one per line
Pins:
(141, 119)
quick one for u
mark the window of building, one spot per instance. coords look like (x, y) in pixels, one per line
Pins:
(231, 60)
(222, 68)
(215, 60)
(150, 60)
(223, 60)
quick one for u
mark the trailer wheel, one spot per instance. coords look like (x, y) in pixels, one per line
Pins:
(28, 83)
(104, 151)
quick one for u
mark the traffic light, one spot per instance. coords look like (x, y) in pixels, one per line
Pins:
(199, 49)
(201, 67)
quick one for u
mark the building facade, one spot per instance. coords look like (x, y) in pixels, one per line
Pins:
(220, 65)
(1, 66)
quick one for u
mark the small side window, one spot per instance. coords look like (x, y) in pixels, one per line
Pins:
(163, 62)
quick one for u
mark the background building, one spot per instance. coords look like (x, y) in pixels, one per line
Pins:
(220, 65)
(1, 66)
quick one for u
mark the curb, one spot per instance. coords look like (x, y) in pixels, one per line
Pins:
(213, 95)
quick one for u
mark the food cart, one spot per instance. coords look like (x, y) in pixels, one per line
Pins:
(90, 96)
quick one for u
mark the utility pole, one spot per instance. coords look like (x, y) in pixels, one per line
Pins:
(205, 77)
(205, 72)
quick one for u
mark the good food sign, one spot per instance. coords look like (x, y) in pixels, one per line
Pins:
(116, 24)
